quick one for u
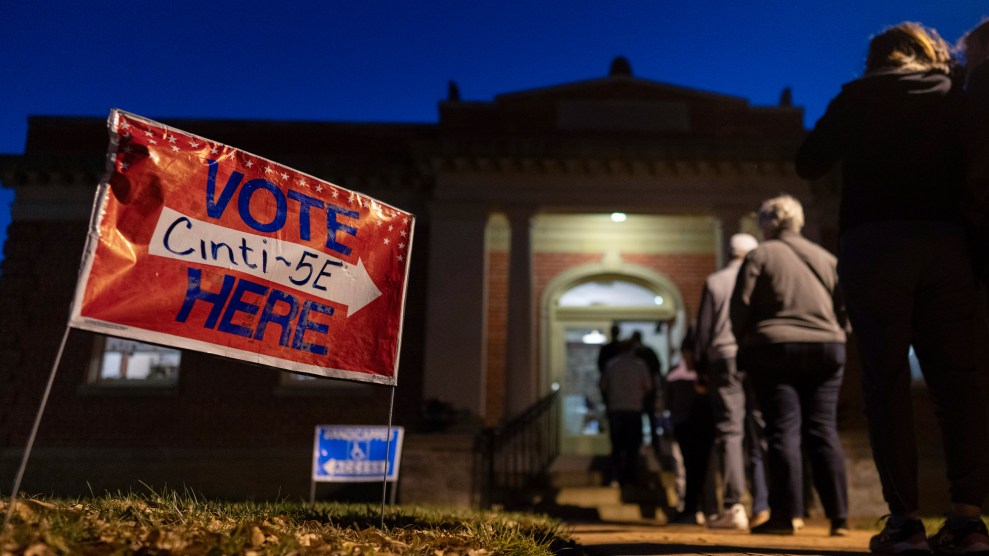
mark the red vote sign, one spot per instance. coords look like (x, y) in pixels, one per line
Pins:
(199, 245)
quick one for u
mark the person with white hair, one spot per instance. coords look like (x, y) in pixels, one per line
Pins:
(788, 319)
(737, 420)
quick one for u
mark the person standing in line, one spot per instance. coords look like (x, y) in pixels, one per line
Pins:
(907, 275)
(690, 416)
(625, 385)
(649, 357)
(610, 349)
(788, 319)
(736, 417)
(974, 45)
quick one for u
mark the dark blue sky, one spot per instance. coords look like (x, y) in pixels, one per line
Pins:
(368, 60)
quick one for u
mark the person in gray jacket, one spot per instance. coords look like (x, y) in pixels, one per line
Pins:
(788, 318)
(738, 422)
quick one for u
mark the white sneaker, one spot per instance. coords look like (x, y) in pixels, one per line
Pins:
(732, 518)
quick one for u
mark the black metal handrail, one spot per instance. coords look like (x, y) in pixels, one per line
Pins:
(511, 457)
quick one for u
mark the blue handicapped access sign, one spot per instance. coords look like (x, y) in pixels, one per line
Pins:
(352, 453)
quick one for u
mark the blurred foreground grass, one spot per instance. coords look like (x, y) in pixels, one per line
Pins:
(173, 523)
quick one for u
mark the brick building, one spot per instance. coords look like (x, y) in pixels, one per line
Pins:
(543, 217)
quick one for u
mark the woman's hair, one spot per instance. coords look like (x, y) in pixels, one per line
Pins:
(781, 213)
(908, 46)
(978, 33)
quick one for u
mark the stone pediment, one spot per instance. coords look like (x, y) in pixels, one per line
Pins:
(620, 87)
(620, 103)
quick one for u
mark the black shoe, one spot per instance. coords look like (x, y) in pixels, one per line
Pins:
(906, 537)
(839, 528)
(774, 527)
(683, 518)
(967, 537)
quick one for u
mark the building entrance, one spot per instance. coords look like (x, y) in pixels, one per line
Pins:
(579, 326)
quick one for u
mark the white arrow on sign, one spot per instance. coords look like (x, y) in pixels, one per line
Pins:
(355, 289)
(295, 266)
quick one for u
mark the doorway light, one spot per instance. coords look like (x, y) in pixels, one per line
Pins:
(618, 217)
(594, 337)
(658, 300)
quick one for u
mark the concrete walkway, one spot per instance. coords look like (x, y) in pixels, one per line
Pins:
(642, 539)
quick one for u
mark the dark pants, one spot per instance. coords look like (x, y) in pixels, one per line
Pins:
(797, 386)
(739, 435)
(911, 283)
(695, 435)
(625, 430)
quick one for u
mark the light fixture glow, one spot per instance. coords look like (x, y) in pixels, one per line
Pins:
(658, 300)
(594, 338)
(618, 217)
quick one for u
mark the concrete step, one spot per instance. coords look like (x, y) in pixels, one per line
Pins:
(578, 485)
(570, 470)
(589, 496)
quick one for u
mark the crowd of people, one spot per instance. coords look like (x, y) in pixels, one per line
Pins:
(753, 392)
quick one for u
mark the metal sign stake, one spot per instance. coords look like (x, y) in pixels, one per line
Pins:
(34, 430)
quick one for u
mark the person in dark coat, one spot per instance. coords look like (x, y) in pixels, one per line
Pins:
(649, 357)
(975, 47)
(693, 427)
(907, 274)
(625, 384)
(609, 349)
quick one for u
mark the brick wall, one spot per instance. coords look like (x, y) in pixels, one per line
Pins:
(686, 271)
(227, 414)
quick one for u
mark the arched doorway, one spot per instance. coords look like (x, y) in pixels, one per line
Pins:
(579, 310)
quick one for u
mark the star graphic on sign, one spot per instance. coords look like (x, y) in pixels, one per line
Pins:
(152, 141)
(390, 227)
(127, 149)
(249, 163)
(319, 187)
(148, 133)
(387, 241)
(268, 169)
(400, 258)
(193, 144)
(401, 245)
(124, 124)
(124, 165)
(336, 193)
(302, 182)
(214, 150)
(403, 233)
(171, 139)
(284, 176)
(175, 149)
(405, 220)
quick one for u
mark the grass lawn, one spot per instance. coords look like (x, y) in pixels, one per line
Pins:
(172, 523)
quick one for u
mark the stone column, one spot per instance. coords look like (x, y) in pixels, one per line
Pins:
(729, 222)
(455, 321)
(521, 388)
